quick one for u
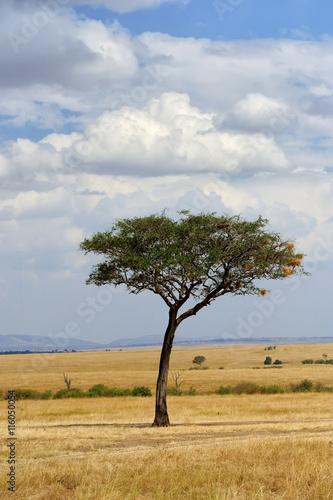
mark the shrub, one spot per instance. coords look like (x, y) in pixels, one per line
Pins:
(268, 360)
(99, 390)
(272, 389)
(46, 395)
(319, 387)
(173, 391)
(304, 386)
(69, 393)
(191, 391)
(246, 388)
(277, 362)
(27, 394)
(221, 367)
(205, 368)
(307, 361)
(329, 362)
(319, 362)
(224, 390)
(141, 391)
(194, 368)
(114, 391)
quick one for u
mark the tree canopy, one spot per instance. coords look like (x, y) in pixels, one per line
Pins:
(200, 256)
(198, 360)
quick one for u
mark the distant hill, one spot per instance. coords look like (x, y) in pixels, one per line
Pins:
(152, 340)
(143, 340)
(39, 343)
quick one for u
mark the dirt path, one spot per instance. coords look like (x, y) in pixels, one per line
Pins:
(123, 443)
(213, 436)
(194, 424)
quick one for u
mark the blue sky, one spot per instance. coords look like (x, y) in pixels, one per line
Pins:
(227, 20)
(106, 114)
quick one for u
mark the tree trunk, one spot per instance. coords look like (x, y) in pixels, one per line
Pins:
(161, 413)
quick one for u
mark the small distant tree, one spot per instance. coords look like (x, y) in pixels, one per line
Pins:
(268, 360)
(198, 360)
(176, 376)
(67, 380)
(277, 362)
(197, 258)
(325, 357)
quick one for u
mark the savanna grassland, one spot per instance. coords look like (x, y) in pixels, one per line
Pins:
(260, 446)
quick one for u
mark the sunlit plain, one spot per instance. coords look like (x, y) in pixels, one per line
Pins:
(218, 447)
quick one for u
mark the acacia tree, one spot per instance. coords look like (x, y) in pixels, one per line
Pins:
(198, 360)
(200, 257)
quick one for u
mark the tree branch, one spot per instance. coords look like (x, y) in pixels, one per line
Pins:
(213, 294)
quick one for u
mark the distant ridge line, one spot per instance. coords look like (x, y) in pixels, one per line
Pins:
(33, 343)
(152, 340)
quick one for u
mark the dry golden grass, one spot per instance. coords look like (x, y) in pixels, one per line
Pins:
(257, 468)
(232, 447)
(116, 369)
(219, 447)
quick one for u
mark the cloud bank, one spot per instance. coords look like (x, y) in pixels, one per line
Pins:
(98, 124)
